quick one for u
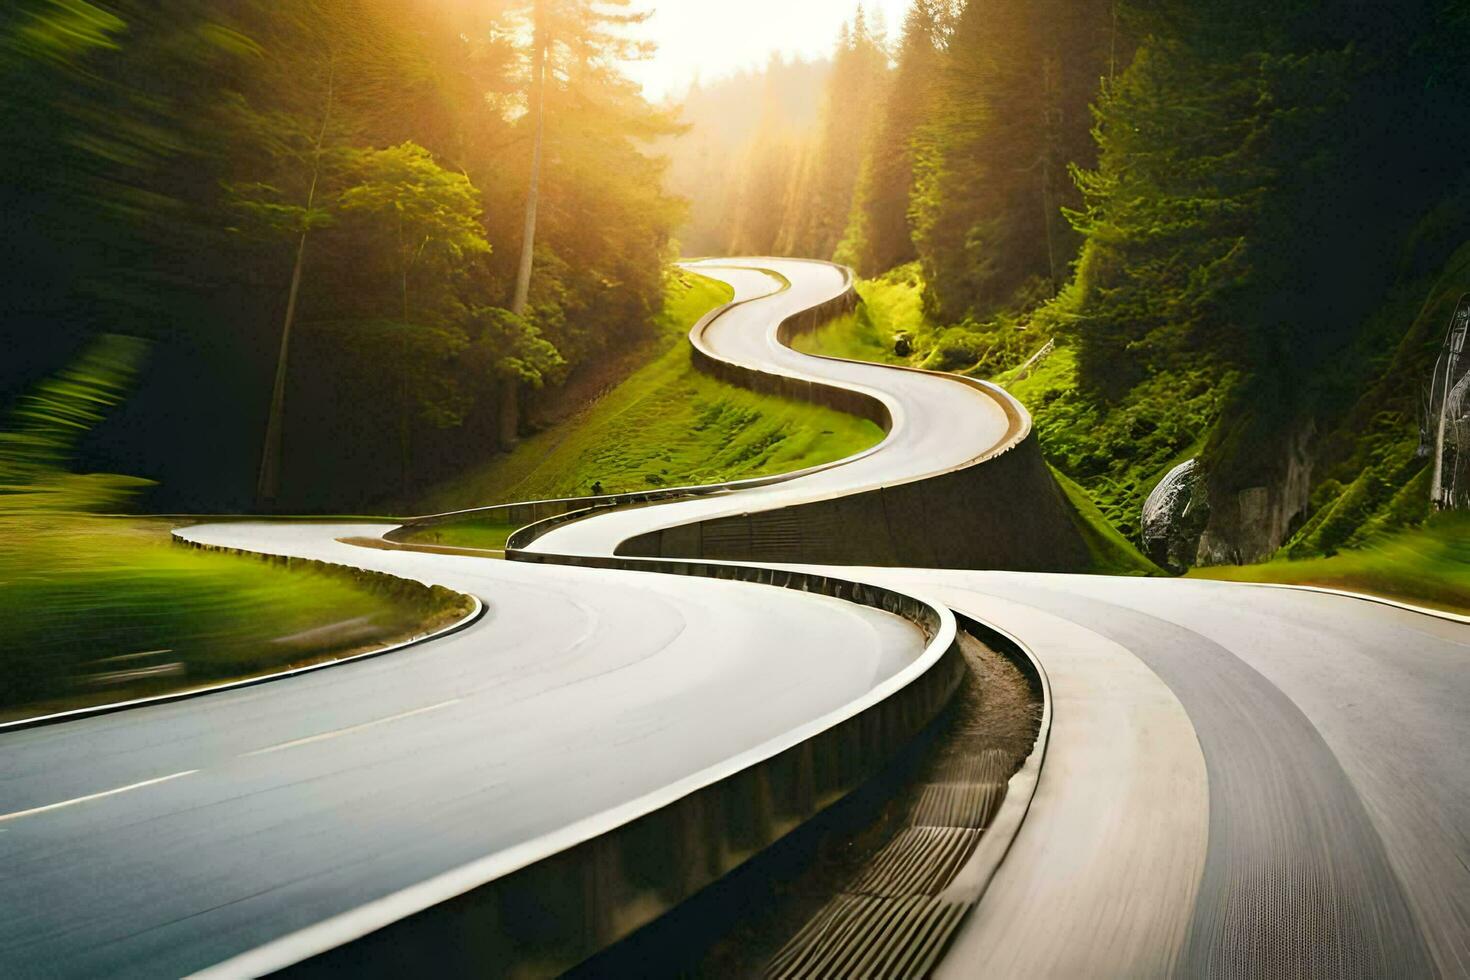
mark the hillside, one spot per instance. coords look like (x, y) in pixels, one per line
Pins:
(664, 424)
(1165, 228)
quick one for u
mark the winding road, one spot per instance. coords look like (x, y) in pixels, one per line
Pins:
(1239, 780)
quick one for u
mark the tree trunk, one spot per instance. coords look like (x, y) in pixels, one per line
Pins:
(403, 392)
(533, 189)
(1049, 127)
(509, 414)
(268, 485)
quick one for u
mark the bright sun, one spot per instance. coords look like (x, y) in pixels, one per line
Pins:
(708, 39)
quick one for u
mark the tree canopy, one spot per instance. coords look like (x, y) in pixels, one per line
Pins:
(204, 172)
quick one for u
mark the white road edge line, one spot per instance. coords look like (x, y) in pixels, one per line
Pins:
(1444, 614)
(479, 609)
(95, 796)
(339, 732)
(278, 954)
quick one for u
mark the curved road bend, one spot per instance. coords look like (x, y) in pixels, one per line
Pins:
(937, 424)
(299, 800)
(1240, 781)
(167, 839)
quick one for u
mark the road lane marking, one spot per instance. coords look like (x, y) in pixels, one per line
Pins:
(337, 733)
(94, 796)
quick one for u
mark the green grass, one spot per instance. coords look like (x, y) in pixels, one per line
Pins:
(1112, 554)
(892, 305)
(85, 599)
(1057, 372)
(665, 425)
(853, 336)
(486, 535)
(1428, 565)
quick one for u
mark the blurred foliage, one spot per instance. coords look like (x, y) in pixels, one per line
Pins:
(169, 164)
(46, 424)
(96, 609)
(1428, 565)
(87, 601)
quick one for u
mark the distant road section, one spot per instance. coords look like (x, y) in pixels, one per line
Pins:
(168, 839)
(1239, 782)
(937, 425)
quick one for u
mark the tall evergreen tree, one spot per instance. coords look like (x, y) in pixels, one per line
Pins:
(879, 235)
(822, 195)
(1011, 114)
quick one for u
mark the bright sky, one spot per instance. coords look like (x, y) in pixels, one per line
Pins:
(709, 39)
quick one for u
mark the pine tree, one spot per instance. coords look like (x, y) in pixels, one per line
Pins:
(1011, 114)
(879, 235)
(823, 193)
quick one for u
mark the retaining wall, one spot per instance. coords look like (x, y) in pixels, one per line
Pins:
(562, 907)
(571, 901)
(1004, 513)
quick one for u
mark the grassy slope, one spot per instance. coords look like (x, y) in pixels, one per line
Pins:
(1369, 478)
(1113, 456)
(83, 597)
(665, 425)
(486, 535)
(893, 306)
(1428, 565)
(1112, 554)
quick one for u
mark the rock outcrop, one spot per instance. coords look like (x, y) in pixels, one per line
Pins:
(1253, 512)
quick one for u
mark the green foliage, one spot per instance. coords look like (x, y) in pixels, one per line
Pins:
(1111, 553)
(1111, 453)
(1428, 565)
(84, 594)
(514, 348)
(63, 30)
(172, 169)
(879, 235)
(891, 308)
(44, 428)
(1166, 220)
(1370, 478)
(477, 533)
(91, 604)
(666, 424)
(991, 158)
(430, 212)
(1248, 252)
(1240, 230)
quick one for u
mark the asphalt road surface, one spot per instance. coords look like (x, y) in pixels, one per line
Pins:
(1240, 781)
(937, 424)
(261, 811)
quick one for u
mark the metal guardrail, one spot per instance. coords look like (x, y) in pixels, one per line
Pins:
(934, 519)
(556, 901)
(534, 513)
(574, 893)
